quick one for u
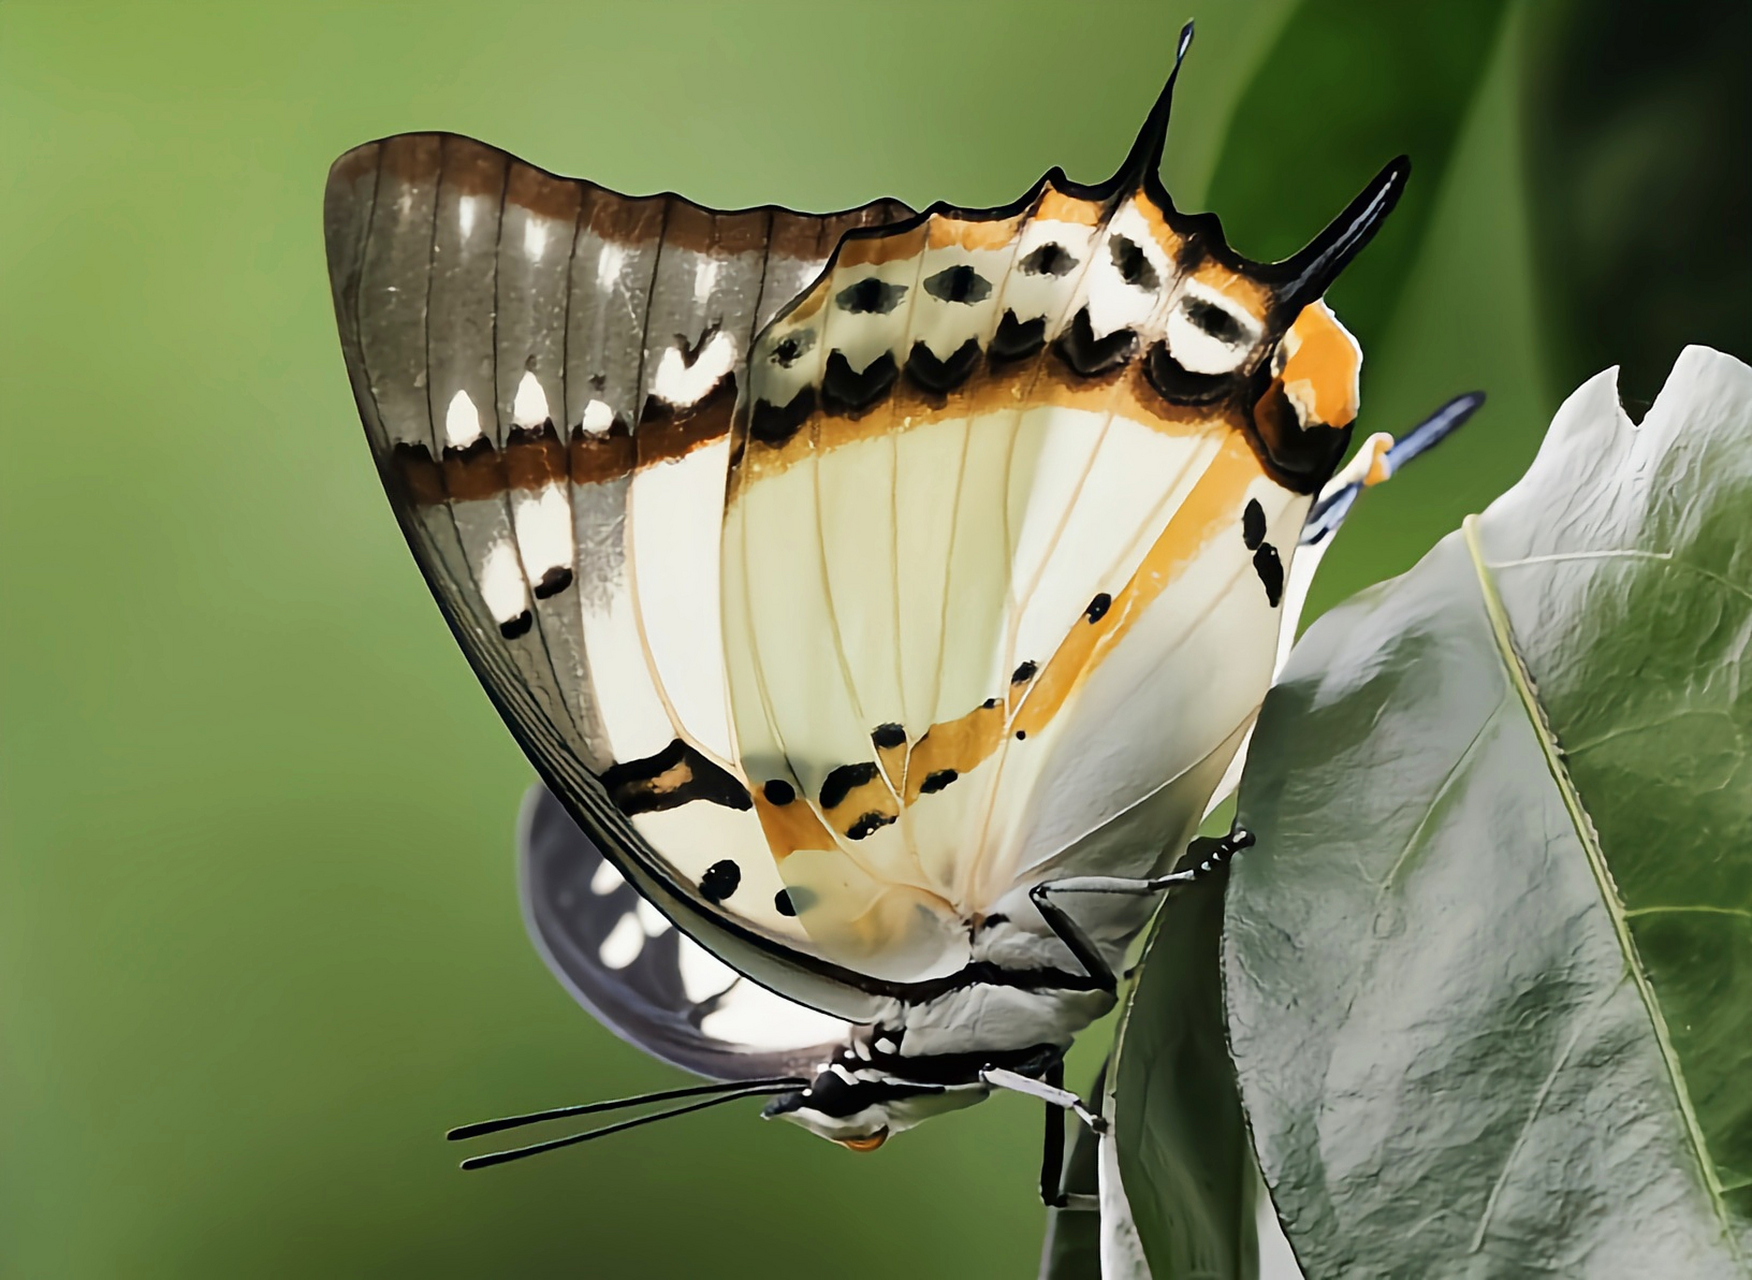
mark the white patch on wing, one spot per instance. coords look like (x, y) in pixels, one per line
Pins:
(530, 406)
(652, 921)
(606, 880)
(682, 384)
(543, 520)
(462, 422)
(705, 276)
(597, 419)
(609, 264)
(756, 1018)
(623, 944)
(1034, 294)
(703, 975)
(535, 238)
(502, 583)
(465, 214)
(1195, 348)
(1112, 300)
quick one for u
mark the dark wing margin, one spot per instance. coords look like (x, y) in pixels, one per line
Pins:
(648, 982)
(519, 345)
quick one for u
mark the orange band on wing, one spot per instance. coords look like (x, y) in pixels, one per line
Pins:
(1208, 509)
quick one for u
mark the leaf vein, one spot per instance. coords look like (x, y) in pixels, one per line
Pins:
(1521, 680)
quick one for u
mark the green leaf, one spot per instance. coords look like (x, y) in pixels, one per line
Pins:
(1489, 967)
(1183, 1152)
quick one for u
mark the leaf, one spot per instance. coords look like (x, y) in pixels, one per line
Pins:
(1489, 966)
(1182, 1144)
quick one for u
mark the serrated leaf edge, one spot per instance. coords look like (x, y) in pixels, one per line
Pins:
(1522, 681)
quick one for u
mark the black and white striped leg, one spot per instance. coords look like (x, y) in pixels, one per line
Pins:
(1206, 855)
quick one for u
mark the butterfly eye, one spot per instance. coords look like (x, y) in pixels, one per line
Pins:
(1208, 336)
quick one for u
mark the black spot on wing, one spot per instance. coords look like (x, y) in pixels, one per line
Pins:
(1253, 524)
(773, 424)
(790, 350)
(1131, 263)
(1178, 384)
(888, 735)
(511, 628)
(849, 393)
(1088, 356)
(840, 783)
(675, 776)
(937, 781)
(870, 296)
(1271, 572)
(1098, 607)
(925, 370)
(959, 284)
(1048, 260)
(782, 903)
(778, 792)
(1215, 321)
(1016, 339)
(868, 824)
(1024, 672)
(554, 581)
(720, 881)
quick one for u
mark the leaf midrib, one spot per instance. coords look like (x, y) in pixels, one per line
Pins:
(1522, 682)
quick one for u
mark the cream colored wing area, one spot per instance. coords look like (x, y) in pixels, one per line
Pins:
(1137, 727)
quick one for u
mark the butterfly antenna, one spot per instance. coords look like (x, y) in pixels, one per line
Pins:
(554, 1144)
(777, 1084)
(1329, 512)
(1144, 160)
(1434, 429)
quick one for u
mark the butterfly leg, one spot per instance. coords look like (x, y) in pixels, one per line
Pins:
(1050, 1090)
(1208, 855)
(1052, 1150)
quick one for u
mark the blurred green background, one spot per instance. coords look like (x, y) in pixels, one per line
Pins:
(259, 939)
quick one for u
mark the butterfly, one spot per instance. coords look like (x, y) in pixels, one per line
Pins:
(883, 598)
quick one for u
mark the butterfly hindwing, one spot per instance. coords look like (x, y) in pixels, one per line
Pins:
(994, 496)
(644, 979)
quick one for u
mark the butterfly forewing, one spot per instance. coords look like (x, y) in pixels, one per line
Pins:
(546, 371)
